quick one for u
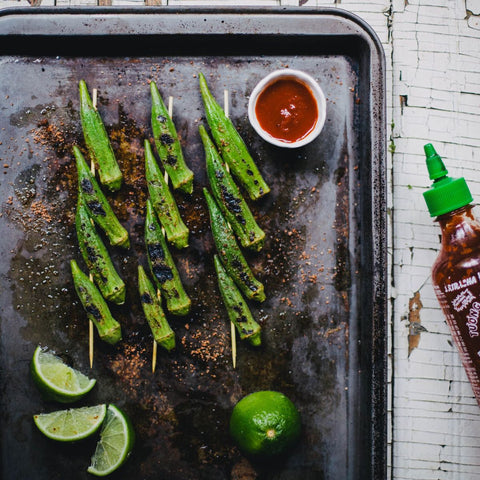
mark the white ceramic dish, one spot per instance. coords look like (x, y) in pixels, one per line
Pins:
(312, 85)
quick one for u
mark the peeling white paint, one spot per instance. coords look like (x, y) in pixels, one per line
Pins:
(473, 6)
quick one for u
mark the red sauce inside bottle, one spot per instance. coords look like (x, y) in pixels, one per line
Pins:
(287, 110)
(456, 279)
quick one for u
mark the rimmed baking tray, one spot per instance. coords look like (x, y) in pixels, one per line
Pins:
(323, 266)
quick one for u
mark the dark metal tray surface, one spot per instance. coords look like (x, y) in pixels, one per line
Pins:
(323, 266)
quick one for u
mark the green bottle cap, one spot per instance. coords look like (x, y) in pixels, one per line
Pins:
(447, 194)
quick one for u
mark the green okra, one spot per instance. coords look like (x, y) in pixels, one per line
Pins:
(229, 198)
(231, 145)
(96, 256)
(97, 141)
(230, 253)
(97, 204)
(95, 306)
(152, 308)
(237, 309)
(163, 267)
(168, 145)
(164, 202)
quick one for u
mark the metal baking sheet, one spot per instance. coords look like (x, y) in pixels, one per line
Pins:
(323, 265)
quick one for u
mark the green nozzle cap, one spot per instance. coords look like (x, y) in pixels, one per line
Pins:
(447, 194)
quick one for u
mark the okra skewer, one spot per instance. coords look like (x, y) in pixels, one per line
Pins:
(230, 253)
(168, 145)
(97, 204)
(152, 308)
(96, 256)
(237, 309)
(163, 267)
(231, 145)
(97, 141)
(164, 202)
(229, 198)
(95, 306)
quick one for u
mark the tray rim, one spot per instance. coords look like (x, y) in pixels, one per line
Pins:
(377, 63)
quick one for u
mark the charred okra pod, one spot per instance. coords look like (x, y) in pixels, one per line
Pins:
(97, 204)
(164, 202)
(229, 198)
(96, 256)
(97, 310)
(97, 141)
(230, 253)
(231, 146)
(152, 308)
(168, 145)
(163, 267)
(237, 308)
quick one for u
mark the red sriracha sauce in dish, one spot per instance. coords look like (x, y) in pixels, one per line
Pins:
(287, 110)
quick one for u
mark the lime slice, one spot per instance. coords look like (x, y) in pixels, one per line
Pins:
(116, 442)
(72, 424)
(56, 380)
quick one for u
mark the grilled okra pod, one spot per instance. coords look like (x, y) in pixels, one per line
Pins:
(237, 308)
(152, 308)
(163, 266)
(96, 256)
(97, 204)
(231, 145)
(229, 198)
(164, 202)
(230, 253)
(168, 145)
(97, 310)
(97, 141)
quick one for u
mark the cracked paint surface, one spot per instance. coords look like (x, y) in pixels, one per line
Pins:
(415, 327)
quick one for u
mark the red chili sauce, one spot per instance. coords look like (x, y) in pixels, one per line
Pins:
(287, 110)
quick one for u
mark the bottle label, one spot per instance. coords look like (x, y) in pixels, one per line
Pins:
(460, 301)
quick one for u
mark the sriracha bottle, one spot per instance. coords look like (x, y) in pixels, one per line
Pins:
(456, 272)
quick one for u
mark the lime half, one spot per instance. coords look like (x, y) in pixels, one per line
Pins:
(116, 442)
(72, 424)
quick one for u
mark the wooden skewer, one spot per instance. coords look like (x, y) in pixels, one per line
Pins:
(226, 108)
(233, 334)
(155, 344)
(90, 323)
(154, 352)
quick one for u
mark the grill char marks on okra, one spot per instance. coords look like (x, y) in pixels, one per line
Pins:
(164, 202)
(97, 204)
(229, 198)
(168, 144)
(97, 141)
(163, 266)
(231, 146)
(95, 306)
(237, 308)
(152, 308)
(96, 256)
(230, 253)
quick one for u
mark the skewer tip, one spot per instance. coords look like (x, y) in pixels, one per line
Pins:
(154, 356)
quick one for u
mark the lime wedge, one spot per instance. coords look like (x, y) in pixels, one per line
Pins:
(56, 380)
(72, 424)
(116, 442)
